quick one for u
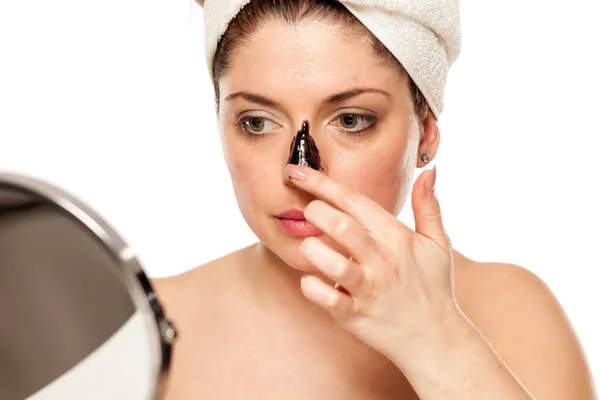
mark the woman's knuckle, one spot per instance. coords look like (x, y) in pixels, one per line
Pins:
(435, 209)
(343, 226)
(350, 198)
(333, 299)
(341, 269)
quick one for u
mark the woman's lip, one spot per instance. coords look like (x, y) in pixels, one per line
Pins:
(298, 227)
(292, 214)
(293, 223)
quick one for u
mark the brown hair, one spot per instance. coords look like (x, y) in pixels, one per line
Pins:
(292, 11)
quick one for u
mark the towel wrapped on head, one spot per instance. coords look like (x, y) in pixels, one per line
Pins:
(423, 35)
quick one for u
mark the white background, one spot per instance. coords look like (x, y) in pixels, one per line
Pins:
(111, 100)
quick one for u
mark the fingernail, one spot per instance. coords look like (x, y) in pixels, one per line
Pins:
(294, 172)
(430, 181)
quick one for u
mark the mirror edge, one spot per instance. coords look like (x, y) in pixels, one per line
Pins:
(143, 294)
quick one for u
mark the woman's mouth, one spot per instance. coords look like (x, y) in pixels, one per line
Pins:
(293, 223)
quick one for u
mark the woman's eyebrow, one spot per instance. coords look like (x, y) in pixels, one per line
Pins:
(336, 98)
(253, 98)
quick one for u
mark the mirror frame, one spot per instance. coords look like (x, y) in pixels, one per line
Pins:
(162, 331)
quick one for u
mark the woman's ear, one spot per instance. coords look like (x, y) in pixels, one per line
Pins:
(430, 139)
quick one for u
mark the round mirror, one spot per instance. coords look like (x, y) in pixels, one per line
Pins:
(80, 319)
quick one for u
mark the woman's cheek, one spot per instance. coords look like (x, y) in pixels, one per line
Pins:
(245, 175)
(257, 179)
(372, 176)
(379, 176)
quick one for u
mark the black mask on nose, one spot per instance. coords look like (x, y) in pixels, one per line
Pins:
(304, 151)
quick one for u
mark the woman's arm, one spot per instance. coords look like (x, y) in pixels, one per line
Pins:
(458, 363)
(527, 328)
(400, 300)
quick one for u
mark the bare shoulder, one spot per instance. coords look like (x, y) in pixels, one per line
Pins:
(195, 291)
(527, 326)
(195, 302)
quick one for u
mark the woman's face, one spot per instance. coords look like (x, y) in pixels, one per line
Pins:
(360, 113)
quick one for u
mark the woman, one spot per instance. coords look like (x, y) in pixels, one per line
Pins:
(338, 299)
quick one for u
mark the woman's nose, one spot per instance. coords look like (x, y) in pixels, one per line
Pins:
(303, 149)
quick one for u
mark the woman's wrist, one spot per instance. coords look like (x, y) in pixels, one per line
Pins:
(440, 339)
(455, 361)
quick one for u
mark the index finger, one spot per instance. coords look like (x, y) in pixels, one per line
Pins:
(367, 212)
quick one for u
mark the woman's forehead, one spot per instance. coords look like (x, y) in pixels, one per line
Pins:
(309, 52)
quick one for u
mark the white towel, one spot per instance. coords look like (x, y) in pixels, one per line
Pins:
(424, 35)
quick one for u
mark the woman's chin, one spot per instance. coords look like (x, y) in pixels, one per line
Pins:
(303, 266)
(296, 260)
(287, 249)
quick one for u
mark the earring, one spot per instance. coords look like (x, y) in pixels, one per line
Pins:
(425, 158)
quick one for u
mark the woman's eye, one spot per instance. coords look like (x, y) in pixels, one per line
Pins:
(356, 123)
(349, 121)
(256, 125)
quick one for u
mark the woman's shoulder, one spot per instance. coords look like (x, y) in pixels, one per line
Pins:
(499, 296)
(200, 285)
(477, 278)
(522, 319)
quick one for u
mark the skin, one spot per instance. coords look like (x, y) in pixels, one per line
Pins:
(248, 323)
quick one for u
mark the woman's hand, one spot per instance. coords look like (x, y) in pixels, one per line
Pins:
(400, 298)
